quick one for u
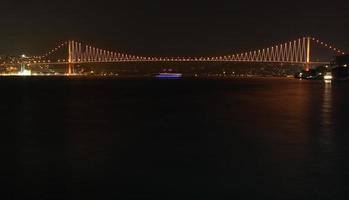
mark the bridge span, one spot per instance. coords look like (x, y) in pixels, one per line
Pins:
(292, 52)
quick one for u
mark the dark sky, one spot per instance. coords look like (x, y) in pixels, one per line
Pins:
(169, 27)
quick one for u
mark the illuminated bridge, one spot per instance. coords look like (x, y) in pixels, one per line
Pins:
(292, 52)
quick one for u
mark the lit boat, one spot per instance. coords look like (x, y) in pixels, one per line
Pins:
(328, 76)
(169, 76)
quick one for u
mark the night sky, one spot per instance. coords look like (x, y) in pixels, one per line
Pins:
(169, 27)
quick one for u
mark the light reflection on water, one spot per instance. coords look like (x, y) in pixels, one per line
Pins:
(326, 133)
(201, 139)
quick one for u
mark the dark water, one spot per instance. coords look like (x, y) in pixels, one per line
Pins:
(75, 138)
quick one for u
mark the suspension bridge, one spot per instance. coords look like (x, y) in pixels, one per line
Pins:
(292, 52)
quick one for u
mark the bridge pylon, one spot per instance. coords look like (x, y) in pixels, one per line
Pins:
(71, 60)
(307, 65)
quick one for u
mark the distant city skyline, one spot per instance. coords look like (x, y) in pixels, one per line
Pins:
(164, 28)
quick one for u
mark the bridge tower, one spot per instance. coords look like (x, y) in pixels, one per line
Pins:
(307, 65)
(71, 60)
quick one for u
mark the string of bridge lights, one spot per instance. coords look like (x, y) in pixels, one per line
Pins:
(52, 51)
(330, 47)
(292, 51)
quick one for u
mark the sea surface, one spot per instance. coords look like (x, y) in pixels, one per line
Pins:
(106, 138)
